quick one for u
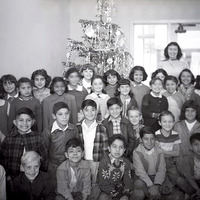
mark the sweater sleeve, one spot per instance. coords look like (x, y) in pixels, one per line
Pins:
(46, 113)
(146, 107)
(139, 169)
(2, 183)
(86, 183)
(128, 181)
(39, 116)
(160, 175)
(62, 184)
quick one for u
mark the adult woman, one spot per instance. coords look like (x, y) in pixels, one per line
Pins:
(173, 63)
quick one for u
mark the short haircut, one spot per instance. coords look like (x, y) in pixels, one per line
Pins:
(114, 100)
(193, 137)
(137, 68)
(153, 80)
(24, 80)
(189, 71)
(58, 106)
(54, 81)
(146, 130)
(43, 73)
(70, 71)
(171, 78)
(159, 71)
(166, 113)
(30, 156)
(88, 102)
(117, 137)
(26, 111)
(123, 81)
(111, 72)
(190, 104)
(97, 77)
(87, 66)
(179, 55)
(74, 142)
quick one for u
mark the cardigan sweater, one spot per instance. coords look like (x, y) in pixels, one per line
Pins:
(184, 134)
(111, 178)
(48, 108)
(150, 105)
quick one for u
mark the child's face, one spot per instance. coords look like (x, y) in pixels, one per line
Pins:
(90, 113)
(74, 154)
(87, 74)
(39, 81)
(9, 87)
(97, 85)
(25, 89)
(148, 141)
(170, 86)
(23, 123)
(115, 111)
(124, 89)
(59, 88)
(195, 146)
(74, 79)
(138, 76)
(117, 148)
(186, 78)
(62, 117)
(190, 114)
(172, 52)
(167, 122)
(160, 75)
(31, 169)
(112, 79)
(157, 87)
(134, 117)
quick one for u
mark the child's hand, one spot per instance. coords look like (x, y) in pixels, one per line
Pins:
(154, 192)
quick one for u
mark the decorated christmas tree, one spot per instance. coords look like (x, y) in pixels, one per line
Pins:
(103, 46)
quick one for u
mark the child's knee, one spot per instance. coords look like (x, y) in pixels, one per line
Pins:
(139, 184)
(137, 195)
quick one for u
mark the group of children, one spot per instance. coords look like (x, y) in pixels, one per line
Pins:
(87, 137)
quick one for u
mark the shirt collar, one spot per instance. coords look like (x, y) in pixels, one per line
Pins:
(79, 88)
(150, 152)
(30, 98)
(85, 83)
(94, 124)
(134, 84)
(113, 119)
(159, 96)
(94, 95)
(56, 127)
(112, 159)
(9, 96)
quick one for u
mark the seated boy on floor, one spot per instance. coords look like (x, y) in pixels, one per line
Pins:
(149, 165)
(114, 173)
(189, 168)
(73, 175)
(116, 124)
(32, 183)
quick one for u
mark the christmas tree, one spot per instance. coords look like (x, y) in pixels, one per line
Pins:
(103, 45)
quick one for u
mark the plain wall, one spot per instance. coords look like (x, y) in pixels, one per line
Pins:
(33, 35)
(130, 11)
